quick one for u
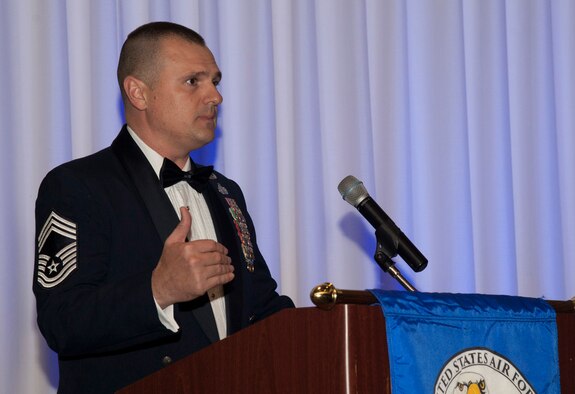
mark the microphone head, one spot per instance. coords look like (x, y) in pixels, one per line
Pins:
(352, 190)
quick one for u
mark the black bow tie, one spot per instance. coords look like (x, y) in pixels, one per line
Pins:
(170, 174)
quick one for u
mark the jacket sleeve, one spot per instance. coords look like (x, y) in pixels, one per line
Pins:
(83, 306)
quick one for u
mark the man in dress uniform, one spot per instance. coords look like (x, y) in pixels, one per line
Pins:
(143, 256)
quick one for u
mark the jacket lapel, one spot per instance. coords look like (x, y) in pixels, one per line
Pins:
(161, 211)
(147, 184)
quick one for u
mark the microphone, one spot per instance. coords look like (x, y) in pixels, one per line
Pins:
(353, 191)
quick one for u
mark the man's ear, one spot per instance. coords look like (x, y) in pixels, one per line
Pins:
(135, 92)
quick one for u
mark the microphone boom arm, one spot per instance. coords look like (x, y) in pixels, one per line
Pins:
(386, 249)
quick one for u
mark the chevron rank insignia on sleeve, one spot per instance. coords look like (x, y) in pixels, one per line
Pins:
(56, 251)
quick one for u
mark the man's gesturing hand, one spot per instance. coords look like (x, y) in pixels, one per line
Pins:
(186, 270)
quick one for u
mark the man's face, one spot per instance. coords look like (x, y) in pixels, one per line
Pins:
(182, 100)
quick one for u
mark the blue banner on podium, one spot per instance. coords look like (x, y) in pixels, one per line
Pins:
(470, 343)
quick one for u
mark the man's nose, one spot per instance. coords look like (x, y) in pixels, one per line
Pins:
(214, 96)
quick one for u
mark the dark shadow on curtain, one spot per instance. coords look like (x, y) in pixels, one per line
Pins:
(356, 228)
(120, 106)
(49, 362)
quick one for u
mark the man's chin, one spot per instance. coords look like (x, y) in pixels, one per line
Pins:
(203, 139)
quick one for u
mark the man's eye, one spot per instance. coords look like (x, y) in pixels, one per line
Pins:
(192, 81)
(216, 82)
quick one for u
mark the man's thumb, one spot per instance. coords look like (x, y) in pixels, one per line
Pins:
(183, 228)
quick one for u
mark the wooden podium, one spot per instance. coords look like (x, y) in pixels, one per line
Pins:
(301, 350)
(306, 350)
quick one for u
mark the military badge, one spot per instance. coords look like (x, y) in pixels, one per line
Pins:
(243, 233)
(222, 190)
(57, 251)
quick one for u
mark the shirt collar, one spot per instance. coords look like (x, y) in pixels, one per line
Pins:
(154, 158)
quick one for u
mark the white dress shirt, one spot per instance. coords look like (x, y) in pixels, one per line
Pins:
(183, 195)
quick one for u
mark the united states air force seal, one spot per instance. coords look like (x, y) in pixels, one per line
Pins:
(481, 371)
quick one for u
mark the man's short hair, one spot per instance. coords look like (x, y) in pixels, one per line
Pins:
(139, 54)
